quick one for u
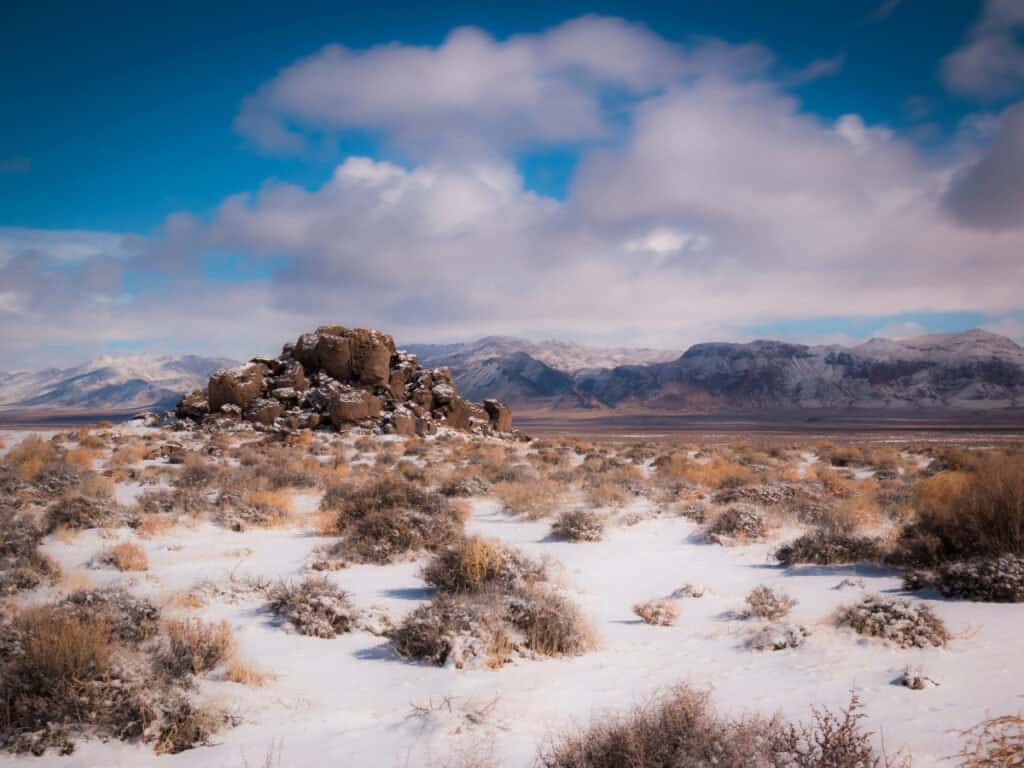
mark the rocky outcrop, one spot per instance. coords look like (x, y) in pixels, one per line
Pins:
(341, 377)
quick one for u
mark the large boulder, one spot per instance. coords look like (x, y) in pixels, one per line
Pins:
(371, 356)
(235, 386)
(499, 414)
(352, 405)
(334, 356)
(263, 411)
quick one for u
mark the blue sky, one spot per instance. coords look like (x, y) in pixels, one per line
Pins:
(130, 132)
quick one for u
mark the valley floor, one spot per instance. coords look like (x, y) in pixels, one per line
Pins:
(349, 701)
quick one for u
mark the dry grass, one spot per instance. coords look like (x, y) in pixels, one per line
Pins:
(534, 498)
(154, 524)
(83, 458)
(765, 603)
(195, 646)
(719, 473)
(682, 728)
(31, 456)
(281, 501)
(997, 742)
(96, 486)
(245, 674)
(660, 613)
(552, 624)
(965, 514)
(127, 455)
(476, 563)
(128, 556)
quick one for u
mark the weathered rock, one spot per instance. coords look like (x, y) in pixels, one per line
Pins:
(334, 356)
(193, 406)
(500, 416)
(353, 405)
(342, 375)
(237, 386)
(263, 411)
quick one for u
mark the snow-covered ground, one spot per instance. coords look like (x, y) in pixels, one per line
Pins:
(349, 701)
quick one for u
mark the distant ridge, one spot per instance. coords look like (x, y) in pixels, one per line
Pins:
(975, 369)
(127, 383)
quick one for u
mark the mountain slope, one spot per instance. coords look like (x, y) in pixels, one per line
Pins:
(124, 383)
(975, 369)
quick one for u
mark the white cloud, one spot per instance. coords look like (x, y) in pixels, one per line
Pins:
(474, 94)
(722, 204)
(990, 65)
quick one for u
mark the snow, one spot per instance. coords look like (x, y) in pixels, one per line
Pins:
(349, 701)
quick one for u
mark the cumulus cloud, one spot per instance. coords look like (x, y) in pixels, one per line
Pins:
(722, 205)
(473, 94)
(989, 193)
(990, 64)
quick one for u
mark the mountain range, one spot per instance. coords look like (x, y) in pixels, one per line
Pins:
(976, 370)
(125, 383)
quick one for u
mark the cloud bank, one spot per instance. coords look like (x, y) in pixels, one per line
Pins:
(706, 200)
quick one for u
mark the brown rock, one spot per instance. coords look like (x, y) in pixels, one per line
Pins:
(193, 406)
(334, 356)
(404, 423)
(458, 413)
(353, 405)
(263, 411)
(292, 375)
(235, 386)
(499, 414)
(371, 356)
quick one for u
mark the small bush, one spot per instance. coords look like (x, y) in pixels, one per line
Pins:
(453, 628)
(391, 516)
(829, 546)
(907, 624)
(532, 498)
(962, 515)
(475, 563)
(21, 564)
(32, 456)
(997, 742)
(131, 620)
(79, 512)
(315, 607)
(995, 580)
(682, 728)
(765, 603)
(778, 637)
(196, 647)
(127, 556)
(553, 625)
(737, 523)
(661, 613)
(578, 525)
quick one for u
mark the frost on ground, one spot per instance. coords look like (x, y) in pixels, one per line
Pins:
(266, 580)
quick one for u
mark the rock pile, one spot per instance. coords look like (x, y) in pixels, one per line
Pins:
(342, 377)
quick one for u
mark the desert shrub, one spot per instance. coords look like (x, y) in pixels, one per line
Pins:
(391, 516)
(962, 515)
(765, 603)
(997, 742)
(182, 724)
(844, 456)
(255, 509)
(245, 674)
(22, 566)
(95, 486)
(719, 473)
(671, 466)
(81, 457)
(662, 613)
(531, 498)
(476, 563)
(740, 522)
(315, 607)
(131, 620)
(829, 546)
(778, 637)
(195, 647)
(578, 525)
(905, 623)
(465, 485)
(127, 556)
(682, 728)
(79, 512)
(552, 624)
(66, 676)
(453, 628)
(32, 456)
(190, 501)
(127, 455)
(991, 580)
(195, 472)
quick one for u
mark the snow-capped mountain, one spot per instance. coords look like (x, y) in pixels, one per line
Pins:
(130, 382)
(973, 369)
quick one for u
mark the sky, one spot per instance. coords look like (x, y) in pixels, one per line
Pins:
(218, 177)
